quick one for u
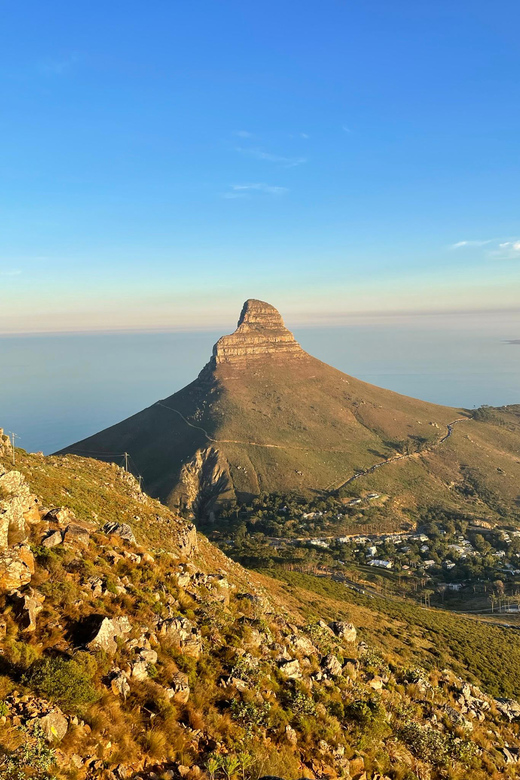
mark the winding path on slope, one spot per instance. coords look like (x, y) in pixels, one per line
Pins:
(449, 430)
(357, 475)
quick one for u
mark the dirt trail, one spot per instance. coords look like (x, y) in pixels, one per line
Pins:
(449, 431)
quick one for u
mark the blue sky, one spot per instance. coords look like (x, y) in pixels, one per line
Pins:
(160, 162)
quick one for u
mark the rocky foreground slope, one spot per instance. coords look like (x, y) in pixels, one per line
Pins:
(264, 416)
(132, 648)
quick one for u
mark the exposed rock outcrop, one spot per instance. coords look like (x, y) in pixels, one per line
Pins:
(122, 530)
(28, 605)
(204, 480)
(16, 567)
(260, 333)
(18, 507)
(108, 631)
(5, 444)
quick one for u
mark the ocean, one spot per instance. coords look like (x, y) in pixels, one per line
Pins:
(56, 389)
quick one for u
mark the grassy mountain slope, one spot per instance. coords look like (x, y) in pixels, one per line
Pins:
(265, 423)
(199, 685)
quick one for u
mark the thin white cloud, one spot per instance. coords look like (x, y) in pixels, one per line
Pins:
(10, 273)
(506, 250)
(495, 248)
(260, 187)
(461, 244)
(260, 154)
(346, 129)
(305, 136)
(243, 134)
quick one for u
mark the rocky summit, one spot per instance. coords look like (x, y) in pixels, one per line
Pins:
(260, 334)
(264, 416)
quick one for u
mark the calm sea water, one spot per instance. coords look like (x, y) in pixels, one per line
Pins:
(57, 389)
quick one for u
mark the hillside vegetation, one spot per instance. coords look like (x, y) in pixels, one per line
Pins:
(132, 648)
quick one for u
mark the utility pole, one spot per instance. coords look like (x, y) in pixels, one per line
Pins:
(126, 460)
(14, 436)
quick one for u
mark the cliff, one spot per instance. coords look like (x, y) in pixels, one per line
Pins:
(260, 334)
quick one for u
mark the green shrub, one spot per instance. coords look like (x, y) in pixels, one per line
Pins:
(66, 681)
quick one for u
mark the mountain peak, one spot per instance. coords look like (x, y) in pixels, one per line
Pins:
(260, 333)
(260, 313)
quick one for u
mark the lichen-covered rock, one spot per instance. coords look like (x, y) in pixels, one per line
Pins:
(108, 631)
(54, 725)
(28, 605)
(345, 631)
(123, 530)
(16, 567)
(18, 507)
(291, 669)
(179, 689)
(183, 634)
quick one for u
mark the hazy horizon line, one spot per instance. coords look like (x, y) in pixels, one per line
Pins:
(314, 320)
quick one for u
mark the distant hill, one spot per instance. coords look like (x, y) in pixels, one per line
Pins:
(264, 416)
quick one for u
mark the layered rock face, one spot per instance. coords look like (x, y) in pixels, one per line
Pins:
(260, 334)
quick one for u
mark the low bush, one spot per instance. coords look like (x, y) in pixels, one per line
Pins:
(65, 681)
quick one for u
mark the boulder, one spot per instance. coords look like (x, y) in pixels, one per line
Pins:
(54, 725)
(140, 670)
(108, 631)
(123, 530)
(119, 683)
(376, 683)
(291, 669)
(180, 688)
(18, 507)
(291, 735)
(52, 539)
(187, 540)
(508, 707)
(182, 633)
(75, 534)
(27, 606)
(16, 567)
(345, 631)
(302, 644)
(332, 665)
(5, 445)
(61, 515)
